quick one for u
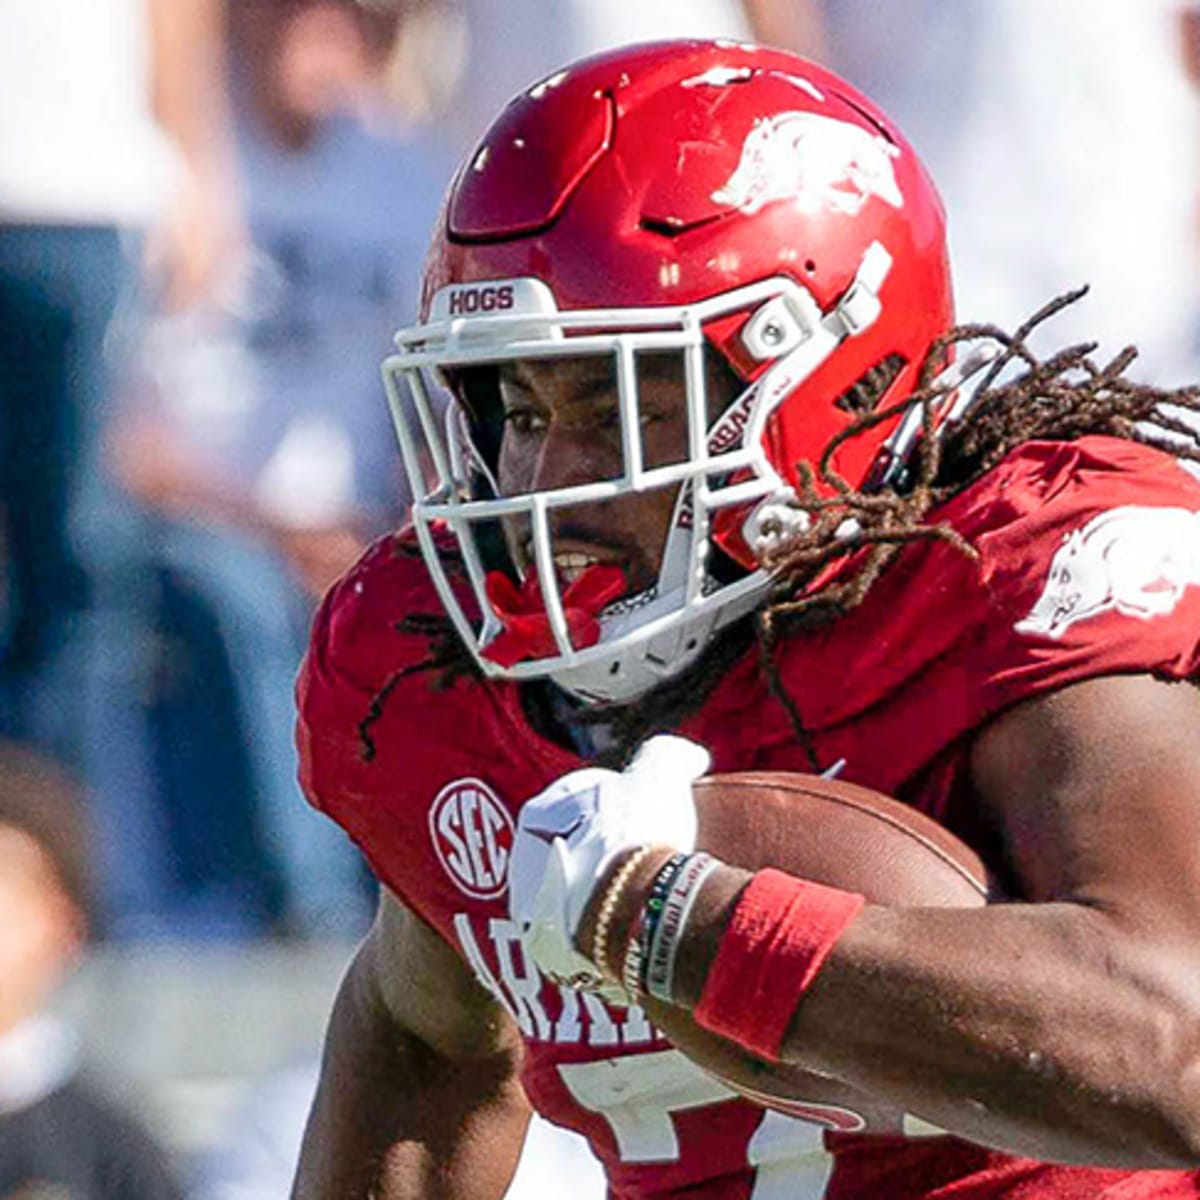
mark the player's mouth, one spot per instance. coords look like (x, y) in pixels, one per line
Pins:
(573, 559)
(570, 564)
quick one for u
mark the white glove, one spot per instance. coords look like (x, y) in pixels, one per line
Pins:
(568, 834)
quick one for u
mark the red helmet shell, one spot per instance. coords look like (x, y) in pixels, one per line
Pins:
(614, 182)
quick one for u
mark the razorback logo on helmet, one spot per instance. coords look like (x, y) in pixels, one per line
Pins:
(816, 162)
(472, 834)
(1135, 560)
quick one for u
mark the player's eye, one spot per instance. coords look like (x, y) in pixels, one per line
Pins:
(524, 421)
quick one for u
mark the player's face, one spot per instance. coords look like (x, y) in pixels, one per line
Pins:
(562, 428)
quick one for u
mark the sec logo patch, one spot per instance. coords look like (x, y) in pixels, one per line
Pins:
(473, 835)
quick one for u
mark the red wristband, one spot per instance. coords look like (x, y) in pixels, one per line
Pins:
(781, 931)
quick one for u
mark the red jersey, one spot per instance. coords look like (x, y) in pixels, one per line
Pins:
(1089, 564)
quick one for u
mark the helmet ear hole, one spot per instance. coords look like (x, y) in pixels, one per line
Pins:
(868, 390)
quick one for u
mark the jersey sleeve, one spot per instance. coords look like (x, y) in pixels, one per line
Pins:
(1085, 562)
(1097, 572)
(424, 772)
(338, 682)
(354, 766)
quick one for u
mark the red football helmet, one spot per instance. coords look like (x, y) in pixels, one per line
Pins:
(693, 197)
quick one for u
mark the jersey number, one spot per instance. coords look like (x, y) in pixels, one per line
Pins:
(638, 1094)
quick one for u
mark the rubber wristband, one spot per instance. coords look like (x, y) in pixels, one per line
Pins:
(779, 934)
(656, 899)
(658, 965)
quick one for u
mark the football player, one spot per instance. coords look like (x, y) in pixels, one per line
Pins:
(699, 451)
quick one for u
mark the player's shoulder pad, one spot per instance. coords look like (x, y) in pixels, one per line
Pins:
(1090, 562)
(1053, 504)
(359, 645)
(360, 628)
(1086, 562)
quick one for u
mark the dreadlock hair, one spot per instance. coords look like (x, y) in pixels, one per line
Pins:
(1059, 398)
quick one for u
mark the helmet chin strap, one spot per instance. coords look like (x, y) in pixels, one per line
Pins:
(893, 461)
(642, 665)
(637, 667)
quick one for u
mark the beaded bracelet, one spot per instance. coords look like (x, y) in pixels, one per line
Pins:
(608, 905)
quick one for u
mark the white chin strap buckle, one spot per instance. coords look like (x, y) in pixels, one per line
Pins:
(787, 322)
(775, 523)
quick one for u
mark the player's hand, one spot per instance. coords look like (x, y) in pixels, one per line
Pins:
(569, 833)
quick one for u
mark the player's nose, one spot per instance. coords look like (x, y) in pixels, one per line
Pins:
(576, 454)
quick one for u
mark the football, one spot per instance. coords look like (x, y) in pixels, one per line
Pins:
(835, 833)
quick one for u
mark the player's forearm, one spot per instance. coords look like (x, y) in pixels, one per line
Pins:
(1018, 1026)
(1042, 1030)
(393, 1120)
(1038, 1028)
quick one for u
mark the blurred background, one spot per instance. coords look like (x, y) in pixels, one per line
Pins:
(213, 213)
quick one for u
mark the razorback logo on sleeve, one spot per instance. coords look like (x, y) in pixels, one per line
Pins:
(1134, 560)
(472, 835)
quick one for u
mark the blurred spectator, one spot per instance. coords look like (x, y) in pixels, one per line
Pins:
(111, 122)
(1083, 119)
(490, 51)
(254, 1157)
(256, 436)
(59, 1135)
